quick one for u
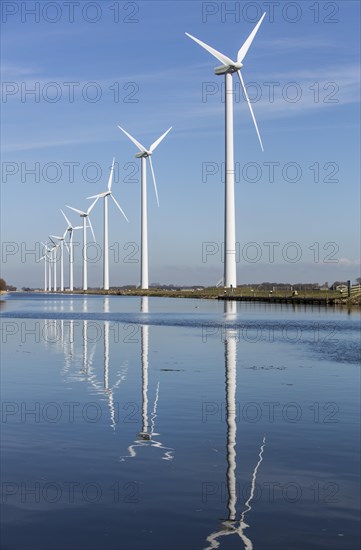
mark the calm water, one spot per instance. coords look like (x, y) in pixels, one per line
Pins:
(165, 424)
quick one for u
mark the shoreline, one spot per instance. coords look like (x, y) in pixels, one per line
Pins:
(240, 295)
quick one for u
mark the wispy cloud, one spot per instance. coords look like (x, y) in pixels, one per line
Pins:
(349, 262)
(14, 71)
(287, 44)
(33, 145)
(297, 43)
(318, 89)
(20, 73)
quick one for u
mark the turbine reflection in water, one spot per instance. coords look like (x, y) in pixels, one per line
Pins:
(232, 526)
(103, 387)
(68, 345)
(87, 358)
(146, 436)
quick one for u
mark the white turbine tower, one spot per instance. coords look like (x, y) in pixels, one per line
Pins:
(45, 272)
(48, 255)
(144, 154)
(227, 68)
(85, 215)
(70, 230)
(53, 259)
(105, 195)
(45, 257)
(61, 244)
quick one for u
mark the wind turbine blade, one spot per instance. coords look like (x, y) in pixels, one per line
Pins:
(52, 241)
(47, 249)
(157, 142)
(118, 205)
(77, 227)
(111, 175)
(139, 145)
(92, 206)
(218, 55)
(76, 210)
(66, 219)
(98, 196)
(91, 229)
(154, 182)
(64, 234)
(66, 245)
(242, 52)
(56, 237)
(250, 108)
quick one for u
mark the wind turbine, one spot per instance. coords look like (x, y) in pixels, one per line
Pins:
(45, 272)
(61, 243)
(45, 257)
(48, 261)
(85, 215)
(105, 195)
(144, 154)
(227, 68)
(70, 230)
(53, 259)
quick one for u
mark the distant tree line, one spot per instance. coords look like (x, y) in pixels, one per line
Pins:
(4, 286)
(263, 286)
(299, 286)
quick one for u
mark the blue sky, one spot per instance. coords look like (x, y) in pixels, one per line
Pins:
(148, 76)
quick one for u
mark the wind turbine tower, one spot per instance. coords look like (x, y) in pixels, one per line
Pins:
(85, 215)
(227, 69)
(145, 154)
(105, 195)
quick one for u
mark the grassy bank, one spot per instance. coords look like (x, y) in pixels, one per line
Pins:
(213, 293)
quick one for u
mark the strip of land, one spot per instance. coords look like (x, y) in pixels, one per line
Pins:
(240, 294)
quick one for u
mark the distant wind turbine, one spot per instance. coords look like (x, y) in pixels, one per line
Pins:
(144, 154)
(227, 68)
(85, 215)
(48, 255)
(70, 230)
(61, 242)
(53, 252)
(105, 195)
(47, 273)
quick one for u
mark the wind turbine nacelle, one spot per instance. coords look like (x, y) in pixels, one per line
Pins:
(146, 436)
(223, 69)
(141, 154)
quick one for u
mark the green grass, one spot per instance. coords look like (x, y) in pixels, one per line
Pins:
(213, 293)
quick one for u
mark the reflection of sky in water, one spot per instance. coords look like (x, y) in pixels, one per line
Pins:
(205, 418)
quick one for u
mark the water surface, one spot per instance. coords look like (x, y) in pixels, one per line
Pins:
(157, 424)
